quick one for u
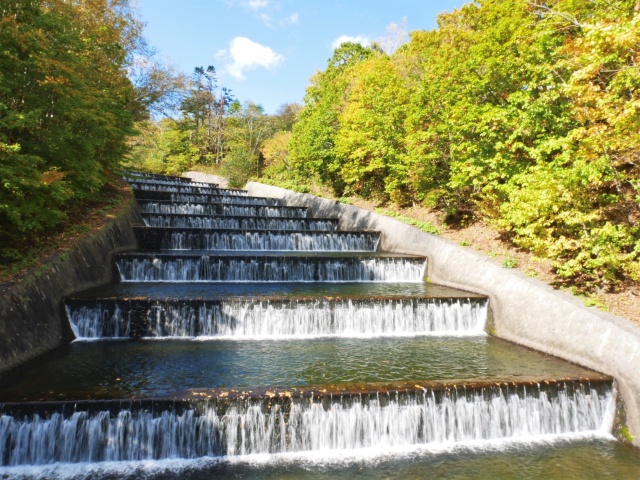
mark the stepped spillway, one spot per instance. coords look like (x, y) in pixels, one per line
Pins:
(220, 197)
(298, 424)
(266, 318)
(140, 182)
(245, 327)
(240, 223)
(162, 238)
(183, 188)
(220, 209)
(255, 267)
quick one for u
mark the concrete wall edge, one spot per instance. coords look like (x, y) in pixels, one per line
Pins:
(32, 318)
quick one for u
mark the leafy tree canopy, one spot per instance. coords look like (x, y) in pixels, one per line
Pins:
(66, 106)
(525, 113)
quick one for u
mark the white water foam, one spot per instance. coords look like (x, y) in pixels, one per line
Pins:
(372, 421)
(311, 461)
(272, 241)
(247, 319)
(251, 269)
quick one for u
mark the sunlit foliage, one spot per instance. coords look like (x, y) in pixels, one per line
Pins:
(524, 113)
(66, 107)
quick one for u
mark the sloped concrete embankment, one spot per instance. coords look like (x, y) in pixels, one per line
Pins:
(525, 310)
(32, 319)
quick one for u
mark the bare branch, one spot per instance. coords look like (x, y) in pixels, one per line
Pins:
(544, 9)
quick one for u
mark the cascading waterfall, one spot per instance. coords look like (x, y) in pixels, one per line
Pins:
(339, 422)
(256, 211)
(100, 321)
(163, 179)
(279, 318)
(140, 268)
(179, 208)
(205, 198)
(243, 235)
(181, 188)
(273, 241)
(247, 223)
(220, 209)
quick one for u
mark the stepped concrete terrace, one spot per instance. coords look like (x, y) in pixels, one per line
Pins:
(199, 352)
(247, 223)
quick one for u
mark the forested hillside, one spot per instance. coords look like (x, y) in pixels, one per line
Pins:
(65, 108)
(74, 76)
(524, 113)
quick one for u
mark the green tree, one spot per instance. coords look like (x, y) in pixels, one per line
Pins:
(524, 113)
(248, 127)
(312, 147)
(582, 209)
(65, 106)
(370, 140)
(206, 106)
(275, 151)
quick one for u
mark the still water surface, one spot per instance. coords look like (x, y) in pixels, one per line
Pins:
(122, 369)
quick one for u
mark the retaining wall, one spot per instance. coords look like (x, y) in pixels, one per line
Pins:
(525, 310)
(32, 318)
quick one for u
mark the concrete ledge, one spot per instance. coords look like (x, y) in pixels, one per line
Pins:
(32, 320)
(526, 311)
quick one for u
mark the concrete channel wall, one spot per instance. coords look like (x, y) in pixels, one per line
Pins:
(525, 310)
(32, 318)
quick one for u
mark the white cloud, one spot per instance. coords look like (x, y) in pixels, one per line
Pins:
(293, 19)
(268, 12)
(266, 19)
(361, 39)
(256, 5)
(245, 54)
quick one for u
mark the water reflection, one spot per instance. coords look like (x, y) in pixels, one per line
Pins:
(118, 369)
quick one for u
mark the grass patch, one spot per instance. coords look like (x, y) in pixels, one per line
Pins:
(427, 227)
(624, 433)
(509, 262)
(287, 184)
(589, 299)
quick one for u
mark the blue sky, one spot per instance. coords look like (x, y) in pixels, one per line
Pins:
(266, 50)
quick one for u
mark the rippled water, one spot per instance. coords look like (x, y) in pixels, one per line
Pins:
(120, 369)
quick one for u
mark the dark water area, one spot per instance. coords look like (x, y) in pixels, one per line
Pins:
(125, 369)
(164, 291)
